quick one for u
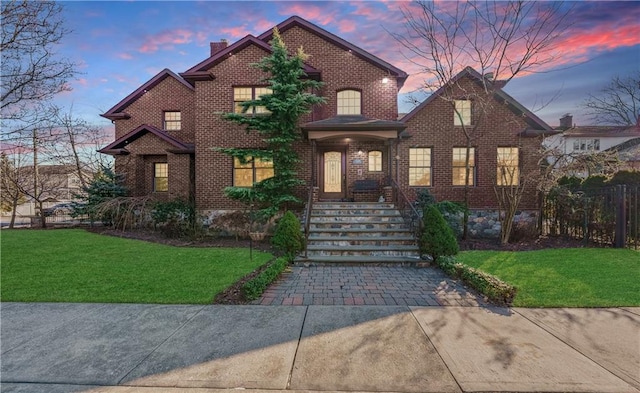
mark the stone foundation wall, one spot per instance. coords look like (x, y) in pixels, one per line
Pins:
(485, 223)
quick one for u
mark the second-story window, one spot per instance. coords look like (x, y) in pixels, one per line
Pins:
(172, 120)
(462, 113)
(349, 102)
(242, 94)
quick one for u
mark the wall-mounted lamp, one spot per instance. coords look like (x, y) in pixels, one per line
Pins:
(360, 153)
(385, 80)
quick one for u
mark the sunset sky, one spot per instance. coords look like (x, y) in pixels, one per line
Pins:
(120, 45)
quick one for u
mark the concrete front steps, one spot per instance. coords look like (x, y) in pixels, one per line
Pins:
(357, 233)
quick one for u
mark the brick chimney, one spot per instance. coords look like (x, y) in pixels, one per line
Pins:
(566, 122)
(217, 46)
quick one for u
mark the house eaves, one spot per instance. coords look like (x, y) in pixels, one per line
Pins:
(119, 145)
(116, 112)
(295, 20)
(201, 70)
(532, 120)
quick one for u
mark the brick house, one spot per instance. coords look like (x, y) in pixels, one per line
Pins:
(167, 129)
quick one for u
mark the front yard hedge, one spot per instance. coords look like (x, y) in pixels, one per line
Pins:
(496, 290)
(254, 288)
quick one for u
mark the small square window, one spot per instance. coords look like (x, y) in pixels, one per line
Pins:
(172, 120)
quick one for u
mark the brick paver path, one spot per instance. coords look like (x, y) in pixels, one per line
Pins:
(368, 285)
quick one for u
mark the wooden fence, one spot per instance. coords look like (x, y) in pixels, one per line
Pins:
(607, 216)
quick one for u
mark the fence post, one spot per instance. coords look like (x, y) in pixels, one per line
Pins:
(621, 216)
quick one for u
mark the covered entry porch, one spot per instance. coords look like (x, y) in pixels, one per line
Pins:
(352, 157)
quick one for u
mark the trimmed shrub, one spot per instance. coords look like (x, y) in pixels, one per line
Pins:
(496, 290)
(288, 237)
(253, 288)
(437, 237)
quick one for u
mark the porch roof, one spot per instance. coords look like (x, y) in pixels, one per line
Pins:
(353, 126)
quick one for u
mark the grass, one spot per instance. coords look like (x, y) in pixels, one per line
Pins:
(572, 277)
(72, 265)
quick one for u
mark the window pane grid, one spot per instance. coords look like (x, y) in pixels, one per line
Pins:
(420, 167)
(508, 166)
(161, 177)
(459, 166)
(462, 113)
(375, 161)
(254, 171)
(242, 94)
(349, 102)
(172, 120)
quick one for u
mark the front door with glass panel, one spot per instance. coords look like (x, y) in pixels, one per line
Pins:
(332, 175)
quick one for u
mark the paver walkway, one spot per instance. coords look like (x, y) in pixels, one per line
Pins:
(368, 285)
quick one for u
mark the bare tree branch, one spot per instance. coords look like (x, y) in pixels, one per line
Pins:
(618, 103)
(32, 72)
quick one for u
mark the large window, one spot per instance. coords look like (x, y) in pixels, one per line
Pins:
(242, 94)
(508, 167)
(160, 177)
(586, 145)
(349, 102)
(462, 113)
(172, 120)
(460, 167)
(420, 166)
(375, 161)
(253, 171)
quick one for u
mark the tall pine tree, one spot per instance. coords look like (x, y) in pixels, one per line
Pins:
(291, 97)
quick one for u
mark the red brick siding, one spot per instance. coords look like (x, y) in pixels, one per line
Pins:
(137, 167)
(168, 95)
(340, 70)
(433, 127)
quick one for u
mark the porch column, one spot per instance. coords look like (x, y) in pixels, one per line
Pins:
(389, 144)
(314, 167)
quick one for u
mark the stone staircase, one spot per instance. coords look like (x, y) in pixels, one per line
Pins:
(359, 233)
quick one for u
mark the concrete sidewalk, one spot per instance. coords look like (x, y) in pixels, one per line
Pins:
(166, 348)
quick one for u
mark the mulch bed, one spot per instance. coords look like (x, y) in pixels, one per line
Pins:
(233, 294)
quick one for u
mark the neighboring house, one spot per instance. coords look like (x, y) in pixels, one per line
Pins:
(575, 141)
(167, 129)
(55, 182)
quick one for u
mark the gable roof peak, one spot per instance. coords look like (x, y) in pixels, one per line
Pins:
(298, 21)
(116, 111)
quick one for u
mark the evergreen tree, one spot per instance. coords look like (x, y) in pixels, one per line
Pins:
(437, 237)
(290, 98)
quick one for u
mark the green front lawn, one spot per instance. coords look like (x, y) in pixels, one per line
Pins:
(72, 265)
(572, 277)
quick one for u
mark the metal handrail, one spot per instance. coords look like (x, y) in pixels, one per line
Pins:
(307, 219)
(406, 208)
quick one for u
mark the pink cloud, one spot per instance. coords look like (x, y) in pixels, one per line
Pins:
(166, 40)
(310, 12)
(125, 56)
(346, 26)
(362, 9)
(234, 32)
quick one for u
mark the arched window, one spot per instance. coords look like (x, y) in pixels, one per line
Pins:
(375, 161)
(349, 102)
